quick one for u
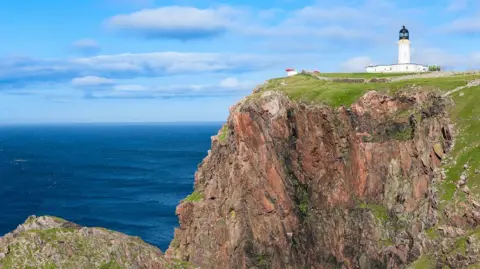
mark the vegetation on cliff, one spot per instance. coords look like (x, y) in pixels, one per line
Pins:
(53, 243)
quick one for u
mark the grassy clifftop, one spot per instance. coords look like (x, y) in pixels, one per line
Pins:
(305, 87)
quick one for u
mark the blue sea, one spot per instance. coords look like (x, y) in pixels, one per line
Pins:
(124, 177)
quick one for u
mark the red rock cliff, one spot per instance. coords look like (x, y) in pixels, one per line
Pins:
(291, 185)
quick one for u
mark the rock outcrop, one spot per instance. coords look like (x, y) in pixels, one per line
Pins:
(294, 185)
(49, 243)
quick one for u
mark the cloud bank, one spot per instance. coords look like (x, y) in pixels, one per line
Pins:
(21, 71)
(86, 46)
(173, 22)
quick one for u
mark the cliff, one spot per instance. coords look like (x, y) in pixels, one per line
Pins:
(316, 174)
(310, 172)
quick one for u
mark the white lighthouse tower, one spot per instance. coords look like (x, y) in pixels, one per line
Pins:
(404, 65)
(404, 47)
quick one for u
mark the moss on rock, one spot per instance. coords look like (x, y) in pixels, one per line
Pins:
(50, 243)
(194, 197)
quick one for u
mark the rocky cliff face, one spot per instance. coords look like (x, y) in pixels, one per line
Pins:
(291, 185)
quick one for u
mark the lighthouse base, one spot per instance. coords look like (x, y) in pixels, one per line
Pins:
(397, 68)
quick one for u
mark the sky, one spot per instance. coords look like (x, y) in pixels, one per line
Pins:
(184, 60)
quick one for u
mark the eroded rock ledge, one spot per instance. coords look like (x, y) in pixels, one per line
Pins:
(50, 243)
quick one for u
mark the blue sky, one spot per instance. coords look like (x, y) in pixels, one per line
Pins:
(163, 61)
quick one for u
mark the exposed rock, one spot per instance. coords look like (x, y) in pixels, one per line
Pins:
(310, 186)
(438, 148)
(450, 231)
(462, 181)
(466, 189)
(49, 242)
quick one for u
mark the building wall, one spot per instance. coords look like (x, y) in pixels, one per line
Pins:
(397, 68)
(291, 73)
(404, 51)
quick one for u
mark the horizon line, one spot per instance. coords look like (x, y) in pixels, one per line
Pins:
(110, 123)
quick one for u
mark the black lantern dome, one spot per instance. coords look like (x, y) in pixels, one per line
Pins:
(404, 33)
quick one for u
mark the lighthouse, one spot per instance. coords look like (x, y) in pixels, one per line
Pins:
(404, 46)
(404, 64)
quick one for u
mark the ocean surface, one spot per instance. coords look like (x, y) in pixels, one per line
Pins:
(124, 177)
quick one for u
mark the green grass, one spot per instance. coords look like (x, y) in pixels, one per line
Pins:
(194, 197)
(379, 211)
(223, 133)
(179, 264)
(424, 262)
(50, 266)
(440, 83)
(301, 194)
(362, 75)
(50, 235)
(466, 115)
(308, 89)
(111, 265)
(432, 233)
(461, 245)
(403, 135)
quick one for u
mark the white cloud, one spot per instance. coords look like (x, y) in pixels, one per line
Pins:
(86, 46)
(91, 81)
(18, 72)
(287, 30)
(464, 25)
(456, 5)
(174, 22)
(318, 21)
(316, 14)
(129, 88)
(224, 87)
(327, 22)
(229, 83)
(448, 60)
(356, 64)
(131, 2)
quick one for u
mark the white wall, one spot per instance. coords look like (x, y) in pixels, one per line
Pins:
(397, 68)
(403, 51)
(291, 73)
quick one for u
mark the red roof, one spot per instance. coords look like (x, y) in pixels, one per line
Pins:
(290, 69)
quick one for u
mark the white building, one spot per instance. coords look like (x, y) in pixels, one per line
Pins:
(291, 72)
(403, 65)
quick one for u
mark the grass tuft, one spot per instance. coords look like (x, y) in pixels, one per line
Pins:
(380, 212)
(222, 137)
(194, 197)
